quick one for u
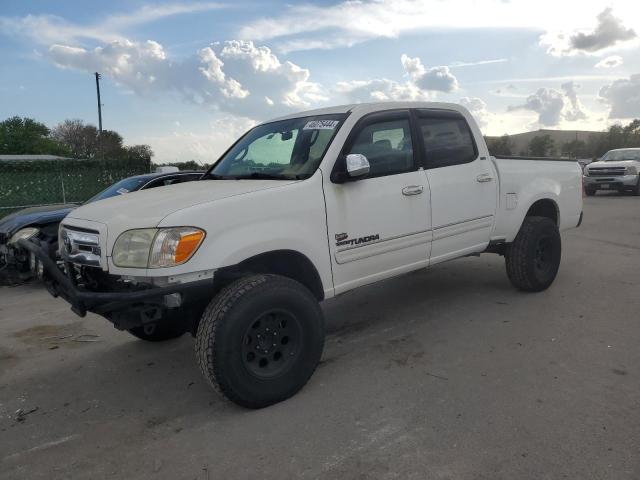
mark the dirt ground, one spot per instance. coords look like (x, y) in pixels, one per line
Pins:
(447, 373)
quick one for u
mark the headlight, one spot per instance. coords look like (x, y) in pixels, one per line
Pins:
(132, 248)
(23, 234)
(156, 247)
(631, 170)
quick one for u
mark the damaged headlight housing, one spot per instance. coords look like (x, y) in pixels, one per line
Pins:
(23, 234)
(156, 247)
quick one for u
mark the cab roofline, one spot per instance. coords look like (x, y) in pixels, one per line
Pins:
(369, 107)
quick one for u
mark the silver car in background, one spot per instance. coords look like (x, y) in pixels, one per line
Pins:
(617, 170)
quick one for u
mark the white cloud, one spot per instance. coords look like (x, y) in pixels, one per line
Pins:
(378, 90)
(612, 61)
(343, 24)
(479, 62)
(573, 109)
(609, 31)
(623, 96)
(438, 79)
(478, 109)
(48, 29)
(236, 76)
(203, 146)
(421, 84)
(554, 106)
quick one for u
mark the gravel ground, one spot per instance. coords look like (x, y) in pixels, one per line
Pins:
(447, 373)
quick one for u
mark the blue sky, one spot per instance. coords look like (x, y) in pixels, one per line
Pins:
(189, 77)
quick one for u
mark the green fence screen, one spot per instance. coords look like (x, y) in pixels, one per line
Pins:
(25, 183)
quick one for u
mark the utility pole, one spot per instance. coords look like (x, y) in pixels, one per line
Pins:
(99, 104)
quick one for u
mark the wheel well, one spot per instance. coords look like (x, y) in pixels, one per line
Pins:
(287, 263)
(544, 208)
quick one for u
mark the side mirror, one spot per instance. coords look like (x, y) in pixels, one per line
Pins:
(357, 165)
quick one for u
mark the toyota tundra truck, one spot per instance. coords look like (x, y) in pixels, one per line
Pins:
(298, 210)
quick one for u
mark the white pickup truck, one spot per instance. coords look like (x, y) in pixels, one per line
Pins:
(301, 209)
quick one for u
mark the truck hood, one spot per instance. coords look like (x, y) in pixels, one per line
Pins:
(619, 163)
(34, 216)
(146, 208)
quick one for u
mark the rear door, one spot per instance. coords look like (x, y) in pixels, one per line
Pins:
(462, 182)
(379, 225)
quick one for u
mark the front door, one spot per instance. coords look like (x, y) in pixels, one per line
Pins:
(463, 185)
(379, 225)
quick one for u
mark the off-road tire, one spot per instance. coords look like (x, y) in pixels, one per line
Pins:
(165, 329)
(224, 335)
(527, 268)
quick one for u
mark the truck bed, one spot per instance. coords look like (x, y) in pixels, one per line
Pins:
(525, 180)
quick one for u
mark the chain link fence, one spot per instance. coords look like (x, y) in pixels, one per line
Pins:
(28, 183)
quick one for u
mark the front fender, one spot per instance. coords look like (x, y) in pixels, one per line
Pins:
(291, 217)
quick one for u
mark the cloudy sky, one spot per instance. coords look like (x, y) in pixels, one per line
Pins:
(189, 77)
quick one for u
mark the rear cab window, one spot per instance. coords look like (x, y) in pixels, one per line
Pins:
(447, 139)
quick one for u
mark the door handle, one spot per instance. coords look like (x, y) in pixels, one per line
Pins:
(484, 177)
(412, 190)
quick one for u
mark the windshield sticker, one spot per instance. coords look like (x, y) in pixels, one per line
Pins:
(122, 191)
(321, 125)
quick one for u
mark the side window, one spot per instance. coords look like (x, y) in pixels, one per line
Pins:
(387, 145)
(447, 141)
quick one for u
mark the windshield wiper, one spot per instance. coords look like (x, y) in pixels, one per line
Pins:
(261, 176)
(215, 176)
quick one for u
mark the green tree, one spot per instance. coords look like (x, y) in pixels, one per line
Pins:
(541, 146)
(188, 165)
(499, 146)
(85, 141)
(110, 144)
(139, 152)
(20, 136)
(575, 149)
(80, 138)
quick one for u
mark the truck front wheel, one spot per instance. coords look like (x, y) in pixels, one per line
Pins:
(534, 256)
(260, 340)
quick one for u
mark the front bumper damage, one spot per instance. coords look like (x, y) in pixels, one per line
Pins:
(126, 309)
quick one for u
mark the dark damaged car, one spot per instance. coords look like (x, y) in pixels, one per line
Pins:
(41, 223)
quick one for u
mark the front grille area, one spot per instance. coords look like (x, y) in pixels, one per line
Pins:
(80, 246)
(607, 171)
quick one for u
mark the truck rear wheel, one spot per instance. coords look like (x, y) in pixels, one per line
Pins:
(260, 340)
(533, 258)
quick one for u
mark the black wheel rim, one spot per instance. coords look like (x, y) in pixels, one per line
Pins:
(543, 257)
(271, 343)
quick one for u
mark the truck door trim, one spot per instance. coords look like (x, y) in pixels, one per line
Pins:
(464, 226)
(378, 247)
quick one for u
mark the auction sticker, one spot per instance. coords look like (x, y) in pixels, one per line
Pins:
(321, 125)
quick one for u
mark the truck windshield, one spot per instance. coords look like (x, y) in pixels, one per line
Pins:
(617, 155)
(283, 150)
